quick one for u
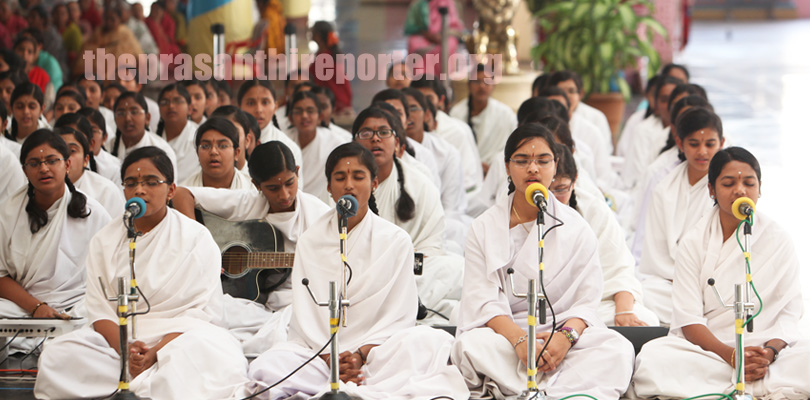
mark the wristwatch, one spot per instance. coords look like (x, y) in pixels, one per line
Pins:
(773, 349)
(570, 333)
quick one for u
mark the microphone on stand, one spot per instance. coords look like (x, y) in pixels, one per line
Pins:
(347, 206)
(536, 195)
(743, 208)
(135, 208)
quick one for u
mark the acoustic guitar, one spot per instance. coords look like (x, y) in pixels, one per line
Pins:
(253, 259)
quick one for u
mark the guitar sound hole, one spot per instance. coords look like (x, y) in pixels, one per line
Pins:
(234, 260)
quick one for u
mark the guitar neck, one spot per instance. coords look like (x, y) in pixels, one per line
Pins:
(266, 260)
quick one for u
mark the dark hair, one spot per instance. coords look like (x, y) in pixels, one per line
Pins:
(83, 78)
(322, 29)
(420, 98)
(567, 168)
(114, 85)
(299, 73)
(478, 68)
(303, 95)
(392, 94)
(71, 92)
(652, 83)
(255, 129)
(40, 11)
(23, 38)
(539, 83)
(555, 91)
(182, 91)
(727, 155)
(695, 119)
(323, 90)
(562, 76)
(429, 81)
(258, 83)
(96, 117)
(690, 89)
(15, 62)
(233, 112)
(675, 111)
(159, 159)
(16, 76)
(223, 86)
(269, 160)
(306, 84)
(24, 89)
(77, 208)
(221, 125)
(354, 149)
(537, 108)
(396, 124)
(663, 81)
(80, 137)
(560, 130)
(193, 82)
(3, 112)
(523, 134)
(138, 97)
(82, 126)
(667, 69)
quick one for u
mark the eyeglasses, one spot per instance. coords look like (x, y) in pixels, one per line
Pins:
(308, 110)
(220, 146)
(525, 162)
(133, 112)
(415, 108)
(561, 189)
(367, 134)
(33, 164)
(151, 183)
(178, 101)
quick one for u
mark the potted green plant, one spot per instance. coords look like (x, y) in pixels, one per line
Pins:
(598, 39)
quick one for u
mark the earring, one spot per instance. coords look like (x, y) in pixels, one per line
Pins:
(509, 179)
(712, 196)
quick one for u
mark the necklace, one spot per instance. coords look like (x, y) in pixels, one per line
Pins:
(519, 219)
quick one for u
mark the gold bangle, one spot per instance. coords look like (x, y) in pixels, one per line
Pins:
(37, 308)
(733, 352)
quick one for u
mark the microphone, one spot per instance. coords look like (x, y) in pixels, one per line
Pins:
(743, 208)
(347, 206)
(536, 195)
(135, 208)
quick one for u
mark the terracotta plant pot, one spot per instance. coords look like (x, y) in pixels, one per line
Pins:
(612, 105)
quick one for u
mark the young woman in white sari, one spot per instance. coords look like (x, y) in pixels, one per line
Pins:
(281, 203)
(178, 349)
(491, 348)
(217, 143)
(406, 198)
(621, 297)
(44, 228)
(178, 129)
(382, 354)
(700, 346)
(107, 165)
(257, 98)
(678, 202)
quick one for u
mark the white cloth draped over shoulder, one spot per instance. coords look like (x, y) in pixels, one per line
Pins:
(425, 157)
(13, 177)
(628, 131)
(675, 207)
(11, 145)
(240, 181)
(460, 135)
(184, 148)
(109, 120)
(177, 268)
(281, 117)
(492, 126)
(313, 159)
(108, 166)
(649, 138)
(598, 119)
(110, 195)
(618, 265)
(383, 299)
(664, 364)
(573, 283)
(270, 133)
(148, 139)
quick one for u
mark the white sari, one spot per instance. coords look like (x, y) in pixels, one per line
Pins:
(492, 126)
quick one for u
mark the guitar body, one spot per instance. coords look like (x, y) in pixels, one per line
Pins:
(247, 247)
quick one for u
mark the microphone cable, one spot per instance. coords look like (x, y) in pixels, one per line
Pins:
(543, 289)
(318, 353)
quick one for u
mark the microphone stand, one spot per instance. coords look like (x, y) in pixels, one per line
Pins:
(343, 222)
(123, 392)
(334, 304)
(533, 297)
(743, 309)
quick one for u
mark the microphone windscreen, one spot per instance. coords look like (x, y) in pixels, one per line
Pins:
(141, 206)
(533, 188)
(351, 201)
(735, 207)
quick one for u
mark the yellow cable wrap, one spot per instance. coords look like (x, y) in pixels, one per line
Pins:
(123, 386)
(132, 245)
(738, 324)
(747, 256)
(532, 385)
(133, 283)
(122, 321)
(540, 244)
(334, 386)
(542, 266)
(333, 321)
(343, 257)
(342, 236)
(532, 320)
(122, 309)
(741, 387)
(748, 278)
(333, 330)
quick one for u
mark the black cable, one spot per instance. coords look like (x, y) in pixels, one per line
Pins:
(331, 338)
(543, 289)
(9, 342)
(346, 264)
(32, 351)
(437, 313)
(145, 299)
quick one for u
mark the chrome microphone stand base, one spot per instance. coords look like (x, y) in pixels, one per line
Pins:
(335, 396)
(743, 396)
(532, 395)
(126, 395)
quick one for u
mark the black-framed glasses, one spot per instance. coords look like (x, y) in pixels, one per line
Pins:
(562, 189)
(178, 101)
(525, 162)
(220, 146)
(133, 183)
(367, 134)
(36, 163)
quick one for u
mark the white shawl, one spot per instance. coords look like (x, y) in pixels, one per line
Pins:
(460, 135)
(148, 139)
(598, 119)
(314, 161)
(382, 290)
(492, 126)
(573, 276)
(183, 145)
(97, 187)
(774, 268)
(108, 166)
(13, 178)
(270, 133)
(649, 138)
(240, 181)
